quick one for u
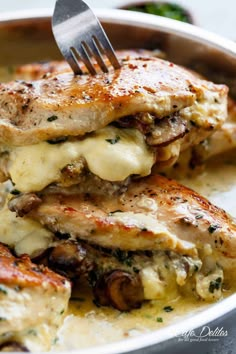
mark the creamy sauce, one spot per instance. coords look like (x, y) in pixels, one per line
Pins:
(87, 325)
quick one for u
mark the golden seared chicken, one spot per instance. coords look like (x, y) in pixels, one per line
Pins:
(162, 237)
(33, 300)
(58, 128)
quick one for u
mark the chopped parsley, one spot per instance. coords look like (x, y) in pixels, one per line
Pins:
(32, 332)
(135, 270)
(212, 228)
(159, 319)
(3, 290)
(52, 118)
(115, 211)
(113, 140)
(199, 216)
(144, 229)
(15, 192)
(168, 308)
(215, 285)
(55, 340)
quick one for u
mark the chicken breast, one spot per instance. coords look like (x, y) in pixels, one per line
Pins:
(33, 299)
(154, 213)
(64, 105)
(156, 110)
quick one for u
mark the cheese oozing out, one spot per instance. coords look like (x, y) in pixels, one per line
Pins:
(111, 153)
(23, 234)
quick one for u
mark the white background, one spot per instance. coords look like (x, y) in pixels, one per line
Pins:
(215, 15)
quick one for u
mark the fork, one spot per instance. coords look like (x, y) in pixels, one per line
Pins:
(81, 38)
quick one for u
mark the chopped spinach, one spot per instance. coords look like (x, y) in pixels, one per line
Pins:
(123, 257)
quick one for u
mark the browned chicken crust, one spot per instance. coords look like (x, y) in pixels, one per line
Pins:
(64, 105)
(22, 272)
(177, 218)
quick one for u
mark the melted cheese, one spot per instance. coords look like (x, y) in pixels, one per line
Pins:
(24, 235)
(111, 153)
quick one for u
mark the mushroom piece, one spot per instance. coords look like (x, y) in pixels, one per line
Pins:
(23, 203)
(121, 289)
(13, 347)
(166, 131)
(68, 258)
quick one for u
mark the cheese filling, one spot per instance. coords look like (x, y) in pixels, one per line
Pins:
(23, 234)
(111, 153)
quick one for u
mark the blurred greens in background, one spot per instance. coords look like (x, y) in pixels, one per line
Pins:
(170, 10)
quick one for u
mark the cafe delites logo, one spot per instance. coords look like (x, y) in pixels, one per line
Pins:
(204, 334)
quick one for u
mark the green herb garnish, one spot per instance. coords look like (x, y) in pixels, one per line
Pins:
(52, 118)
(15, 192)
(3, 290)
(168, 308)
(199, 216)
(215, 285)
(212, 228)
(32, 332)
(159, 319)
(115, 211)
(114, 140)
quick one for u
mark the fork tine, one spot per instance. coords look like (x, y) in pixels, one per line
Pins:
(81, 38)
(73, 61)
(84, 55)
(98, 55)
(103, 42)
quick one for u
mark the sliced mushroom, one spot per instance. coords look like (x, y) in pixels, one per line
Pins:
(69, 259)
(22, 204)
(122, 290)
(13, 347)
(166, 131)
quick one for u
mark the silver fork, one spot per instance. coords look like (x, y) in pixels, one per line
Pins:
(80, 37)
